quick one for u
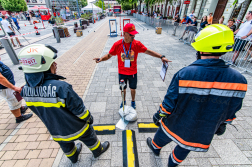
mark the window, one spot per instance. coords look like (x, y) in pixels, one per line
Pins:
(202, 7)
(28, 1)
(34, 1)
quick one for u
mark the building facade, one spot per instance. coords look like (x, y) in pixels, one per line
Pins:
(32, 3)
(219, 8)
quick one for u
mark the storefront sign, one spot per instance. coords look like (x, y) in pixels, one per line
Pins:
(186, 2)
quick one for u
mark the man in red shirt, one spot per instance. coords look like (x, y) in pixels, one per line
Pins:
(127, 50)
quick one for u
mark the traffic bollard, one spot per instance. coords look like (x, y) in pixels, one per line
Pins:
(56, 32)
(9, 49)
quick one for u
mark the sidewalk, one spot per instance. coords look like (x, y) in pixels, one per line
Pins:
(29, 144)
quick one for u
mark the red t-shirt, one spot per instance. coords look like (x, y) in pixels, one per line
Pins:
(117, 49)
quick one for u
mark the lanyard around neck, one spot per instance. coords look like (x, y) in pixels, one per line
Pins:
(126, 53)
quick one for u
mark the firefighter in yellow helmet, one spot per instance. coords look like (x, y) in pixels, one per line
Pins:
(56, 103)
(201, 99)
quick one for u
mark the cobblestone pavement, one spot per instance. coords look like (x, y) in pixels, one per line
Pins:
(98, 85)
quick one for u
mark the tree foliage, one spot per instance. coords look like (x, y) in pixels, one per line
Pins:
(84, 3)
(99, 4)
(126, 6)
(14, 5)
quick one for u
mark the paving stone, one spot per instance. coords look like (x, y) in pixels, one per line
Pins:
(21, 163)
(47, 162)
(229, 152)
(8, 155)
(9, 163)
(21, 154)
(97, 107)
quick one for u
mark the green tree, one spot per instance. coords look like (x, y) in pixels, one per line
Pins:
(84, 3)
(99, 4)
(126, 6)
(14, 5)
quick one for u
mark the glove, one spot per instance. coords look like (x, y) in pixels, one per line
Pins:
(156, 118)
(90, 120)
(221, 130)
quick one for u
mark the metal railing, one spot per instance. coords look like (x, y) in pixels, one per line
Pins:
(167, 25)
(241, 56)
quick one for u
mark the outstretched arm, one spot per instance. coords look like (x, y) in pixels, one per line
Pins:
(155, 54)
(104, 58)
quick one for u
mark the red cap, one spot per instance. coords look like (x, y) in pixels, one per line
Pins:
(130, 28)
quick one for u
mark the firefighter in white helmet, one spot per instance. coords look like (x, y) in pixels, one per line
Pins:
(56, 103)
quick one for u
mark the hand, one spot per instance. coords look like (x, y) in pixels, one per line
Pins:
(18, 89)
(165, 60)
(156, 118)
(90, 120)
(221, 130)
(243, 37)
(97, 60)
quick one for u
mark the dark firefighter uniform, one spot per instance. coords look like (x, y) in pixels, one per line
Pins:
(62, 111)
(201, 98)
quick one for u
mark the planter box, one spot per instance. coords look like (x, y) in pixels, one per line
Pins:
(63, 32)
(85, 22)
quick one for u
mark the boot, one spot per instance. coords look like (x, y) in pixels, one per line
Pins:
(23, 118)
(104, 148)
(79, 147)
(149, 140)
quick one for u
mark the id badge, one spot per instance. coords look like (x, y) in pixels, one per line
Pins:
(127, 63)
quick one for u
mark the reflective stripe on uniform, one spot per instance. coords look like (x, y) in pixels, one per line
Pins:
(95, 146)
(217, 92)
(217, 85)
(182, 143)
(84, 114)
(173, 159)
(163, 110)
(154, 145)
(41, 104)
(45, 102)
(72, 152)
(72, 136)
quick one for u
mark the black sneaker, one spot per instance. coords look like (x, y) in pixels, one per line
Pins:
(105, 146)
(149, 140)
(23, 109)
(79, 147)
(23, 118)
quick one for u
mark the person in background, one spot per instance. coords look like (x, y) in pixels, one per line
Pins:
(188, 21)
(28, 16)
(15, 22)
(221, 20)
(231, 25)
(176, 23)
(7, 28)
(7, 90)
(243, 35)
(192, 15)
(203, 23)
(210, 18)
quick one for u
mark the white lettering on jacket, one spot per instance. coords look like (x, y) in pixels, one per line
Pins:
(40, 91)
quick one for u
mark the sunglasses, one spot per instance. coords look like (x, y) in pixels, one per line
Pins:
(130, 34)
(250, 12)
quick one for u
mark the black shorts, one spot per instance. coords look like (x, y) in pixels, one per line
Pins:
(132, 80)
(28, 18)
(11, 34)
(239, 44)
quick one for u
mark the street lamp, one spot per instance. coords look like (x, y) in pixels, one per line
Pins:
(78, 9)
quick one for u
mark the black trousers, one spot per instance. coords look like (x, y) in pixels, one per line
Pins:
(89, 138)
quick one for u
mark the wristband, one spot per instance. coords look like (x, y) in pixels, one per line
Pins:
(162, 56)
